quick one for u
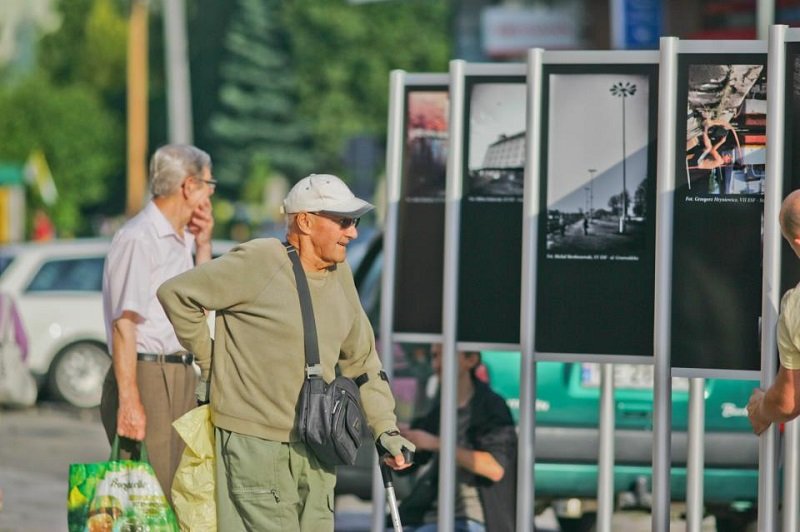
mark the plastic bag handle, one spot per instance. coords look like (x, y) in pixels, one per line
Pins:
(115, 450)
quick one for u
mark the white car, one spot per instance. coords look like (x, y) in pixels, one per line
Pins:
(57, 289)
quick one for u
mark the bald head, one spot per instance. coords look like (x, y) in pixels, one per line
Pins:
(790, 216)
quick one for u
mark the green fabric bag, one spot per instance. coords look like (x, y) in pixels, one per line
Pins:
(117, 496)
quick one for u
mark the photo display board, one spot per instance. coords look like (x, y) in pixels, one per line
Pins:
(596, 266)
(420, 233)
(490, 249)
(790, 265)
(718, 210)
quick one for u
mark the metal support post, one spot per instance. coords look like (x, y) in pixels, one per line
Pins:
(696, 455)
(605, 459)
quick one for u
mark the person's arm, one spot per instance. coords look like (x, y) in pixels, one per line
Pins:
(706, 140)
(475, 461)
(126, 288)
(234, 278)
(781, 402)
(131, 418)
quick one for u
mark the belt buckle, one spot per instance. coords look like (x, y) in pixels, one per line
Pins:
(187, 358)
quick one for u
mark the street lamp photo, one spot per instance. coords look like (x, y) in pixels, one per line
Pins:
(591, 193)
(623, 89)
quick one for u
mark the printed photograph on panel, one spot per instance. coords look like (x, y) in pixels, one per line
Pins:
(496, 142)
(792, 119)
(597, 150)
(425, 165)
(726, 129)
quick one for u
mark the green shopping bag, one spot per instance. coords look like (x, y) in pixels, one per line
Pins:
(117, 496)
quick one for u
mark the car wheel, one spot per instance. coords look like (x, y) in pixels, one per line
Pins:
(77, 373)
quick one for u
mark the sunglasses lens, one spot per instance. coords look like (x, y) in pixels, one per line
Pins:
(349, 222)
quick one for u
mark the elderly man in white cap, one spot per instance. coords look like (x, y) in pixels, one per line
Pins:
(266, 478)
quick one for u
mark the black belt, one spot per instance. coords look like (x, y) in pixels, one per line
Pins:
(185, 358)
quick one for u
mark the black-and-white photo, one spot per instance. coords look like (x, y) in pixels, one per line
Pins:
(726, 129)
(597, 164)
(496, 141)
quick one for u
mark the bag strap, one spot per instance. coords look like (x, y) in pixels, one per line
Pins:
(313, 367)
(143, 457)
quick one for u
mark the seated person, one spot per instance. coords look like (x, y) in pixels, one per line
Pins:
(486, 456)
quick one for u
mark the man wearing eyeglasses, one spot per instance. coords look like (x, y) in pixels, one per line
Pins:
(152, 382)
(266, 478)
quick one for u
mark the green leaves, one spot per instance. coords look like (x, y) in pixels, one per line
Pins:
(79, 138)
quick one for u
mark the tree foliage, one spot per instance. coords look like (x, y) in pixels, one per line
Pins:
(343, 54)
(90, 47)
(302, 78)
(78, 136)
(258, 97)
(615, 202)
(74, 111)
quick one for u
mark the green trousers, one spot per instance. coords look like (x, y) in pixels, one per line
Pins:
(265, 485)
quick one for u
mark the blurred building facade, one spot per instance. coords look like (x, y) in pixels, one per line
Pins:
(503, 30)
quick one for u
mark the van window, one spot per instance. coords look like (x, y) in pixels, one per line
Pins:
(76, 275)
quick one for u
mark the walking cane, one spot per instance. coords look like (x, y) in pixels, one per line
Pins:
(386, 473)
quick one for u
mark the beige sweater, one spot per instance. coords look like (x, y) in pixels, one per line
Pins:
(257, 359)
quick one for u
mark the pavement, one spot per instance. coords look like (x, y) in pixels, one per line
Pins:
(36, 447)
(38, 444)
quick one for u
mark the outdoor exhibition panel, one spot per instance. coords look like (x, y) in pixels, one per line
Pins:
(790, 266)
(597, 188)
(781, 272)
(421, 205)
(417, 132)
(718, 205)
(490, 232)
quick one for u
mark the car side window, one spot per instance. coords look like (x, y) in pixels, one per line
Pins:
(76, 275)
(369, 290)
(5, 262)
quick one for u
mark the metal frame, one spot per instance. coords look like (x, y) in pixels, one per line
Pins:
(459, 70)
(530, 227)
(671, 48)
(662, 317)
(770, 302)
(605, 481)
(398, 82)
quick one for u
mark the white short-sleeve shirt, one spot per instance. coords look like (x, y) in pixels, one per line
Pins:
(144, 253)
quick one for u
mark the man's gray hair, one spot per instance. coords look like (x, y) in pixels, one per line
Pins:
(173, 163)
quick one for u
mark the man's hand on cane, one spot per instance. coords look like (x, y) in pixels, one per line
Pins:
(398, 450)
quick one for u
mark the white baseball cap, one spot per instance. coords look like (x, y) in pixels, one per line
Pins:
(324, 193)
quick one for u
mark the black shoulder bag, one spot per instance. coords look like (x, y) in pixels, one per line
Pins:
(329, 416)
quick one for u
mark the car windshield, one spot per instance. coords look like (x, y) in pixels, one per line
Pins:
(5, 261)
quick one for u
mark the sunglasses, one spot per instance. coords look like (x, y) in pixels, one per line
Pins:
(343, 221)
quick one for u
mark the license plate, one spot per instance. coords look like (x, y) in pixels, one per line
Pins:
(627, 377)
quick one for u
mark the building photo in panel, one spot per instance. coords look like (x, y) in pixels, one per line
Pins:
(496, 141)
